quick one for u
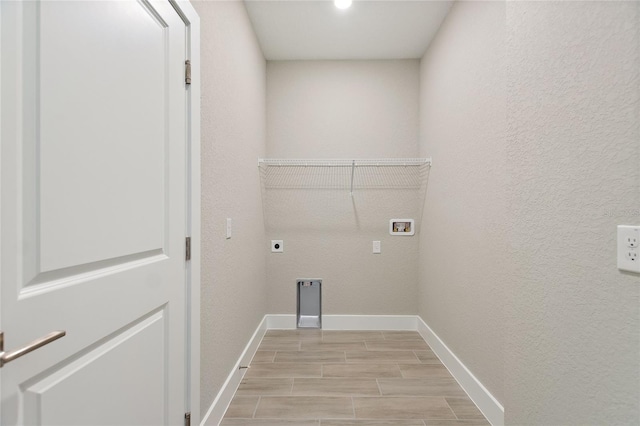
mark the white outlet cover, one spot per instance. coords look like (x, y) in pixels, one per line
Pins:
(277, 246)
(628, 250)
(376, 247)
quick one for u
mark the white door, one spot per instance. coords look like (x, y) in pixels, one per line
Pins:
(92, 212)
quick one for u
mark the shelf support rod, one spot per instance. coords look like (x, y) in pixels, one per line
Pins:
(353, 167)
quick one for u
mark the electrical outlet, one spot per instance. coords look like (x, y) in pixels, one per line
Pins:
(376, 247)
(628, 250)
(277, 246)
(632, 241)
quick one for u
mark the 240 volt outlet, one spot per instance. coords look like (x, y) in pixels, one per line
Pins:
(277, 246)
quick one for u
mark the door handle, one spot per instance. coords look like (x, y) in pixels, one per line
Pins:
(6, 357)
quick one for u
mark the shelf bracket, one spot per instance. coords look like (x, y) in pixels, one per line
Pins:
(353, 168)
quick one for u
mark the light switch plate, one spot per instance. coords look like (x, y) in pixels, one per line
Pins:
(376, 247)
(628, 248)
(228, 228)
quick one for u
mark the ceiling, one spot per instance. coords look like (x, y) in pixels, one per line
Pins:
(369, 29)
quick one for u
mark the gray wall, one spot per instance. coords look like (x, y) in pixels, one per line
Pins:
(337, 109)
(572, 343)
(233, 136)
(341, 109)
(530, 111)
(463, 238)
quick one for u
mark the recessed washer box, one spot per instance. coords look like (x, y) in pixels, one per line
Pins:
(402, 227)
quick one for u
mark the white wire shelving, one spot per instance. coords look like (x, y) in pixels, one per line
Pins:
(343, 162)
(376, 173)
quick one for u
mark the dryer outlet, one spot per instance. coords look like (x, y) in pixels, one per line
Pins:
(277, 246)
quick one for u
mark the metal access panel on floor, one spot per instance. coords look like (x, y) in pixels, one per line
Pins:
(309, 313)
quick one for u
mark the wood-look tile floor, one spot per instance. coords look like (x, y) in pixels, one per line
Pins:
(349, 378)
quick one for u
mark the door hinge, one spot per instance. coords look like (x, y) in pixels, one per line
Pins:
(187, 71)
(187, 242)
(187, 419)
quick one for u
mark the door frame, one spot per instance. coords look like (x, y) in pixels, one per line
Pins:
(192, 109)
(192, 387)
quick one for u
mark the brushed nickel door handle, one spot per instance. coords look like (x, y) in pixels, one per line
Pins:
(6, 357)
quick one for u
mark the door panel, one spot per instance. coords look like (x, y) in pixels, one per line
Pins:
(93, 211)
(120, 97)
(47, 397)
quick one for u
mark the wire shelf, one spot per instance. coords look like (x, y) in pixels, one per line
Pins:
(351, 174)
(362, 162)
(319, 194)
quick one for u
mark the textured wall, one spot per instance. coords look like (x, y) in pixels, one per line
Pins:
(335, 109)
(531, 194)
(463, 238)
(338, 109)
(532, 119)
(573, 335)
(233, 136)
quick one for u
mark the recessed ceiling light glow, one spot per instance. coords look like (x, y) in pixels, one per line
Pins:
(342, 4)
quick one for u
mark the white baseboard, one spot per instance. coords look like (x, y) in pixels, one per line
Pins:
(281, 322)
(369, 322)
(223, 399)
(490, 407)
(349, 322)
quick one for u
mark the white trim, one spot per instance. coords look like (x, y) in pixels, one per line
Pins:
(281, 322)
(369, 322)
(348, 322)
(191, 18)
(490, 407)
(1, 144)
(223, 399)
